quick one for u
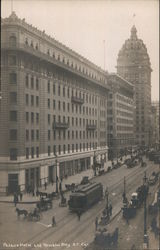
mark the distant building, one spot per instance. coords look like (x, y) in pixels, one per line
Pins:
(133, 64)
(155, 120)
(120, 106)
(53, 109)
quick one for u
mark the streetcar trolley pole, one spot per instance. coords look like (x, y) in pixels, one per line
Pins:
(145, 239)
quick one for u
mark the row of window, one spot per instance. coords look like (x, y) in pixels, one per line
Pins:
(34, 100)
(125, 128)
(123, 106)
(125, 114)
(67, 61)
(60, 149)
(125, 121)
(64, 91)
(57, 134)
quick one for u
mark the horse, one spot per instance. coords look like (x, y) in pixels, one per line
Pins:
(21, 212)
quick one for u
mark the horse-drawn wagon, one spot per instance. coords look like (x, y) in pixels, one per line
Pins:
(34, 215)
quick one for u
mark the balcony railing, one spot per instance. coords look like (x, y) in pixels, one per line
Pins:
(45, 57)
(91, 127)
(60, 125)
(78, 100)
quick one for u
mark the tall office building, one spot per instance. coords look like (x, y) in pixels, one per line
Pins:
(133, 64)
(53, 108)
(120, 116)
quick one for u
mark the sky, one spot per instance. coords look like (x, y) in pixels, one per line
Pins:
(96, 29)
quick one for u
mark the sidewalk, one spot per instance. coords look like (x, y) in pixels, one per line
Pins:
(28, 198)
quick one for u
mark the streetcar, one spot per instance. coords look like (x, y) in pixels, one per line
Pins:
(85, 196)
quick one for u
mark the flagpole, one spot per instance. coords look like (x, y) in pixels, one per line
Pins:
(104, 54)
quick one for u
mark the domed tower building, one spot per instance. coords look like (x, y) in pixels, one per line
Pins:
(134, 65)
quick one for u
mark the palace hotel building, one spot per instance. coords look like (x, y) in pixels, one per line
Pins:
(53, 109)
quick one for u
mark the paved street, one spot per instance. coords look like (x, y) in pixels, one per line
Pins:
(69, 230)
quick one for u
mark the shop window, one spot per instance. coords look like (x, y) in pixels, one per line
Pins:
(12, 78)
(13, 154)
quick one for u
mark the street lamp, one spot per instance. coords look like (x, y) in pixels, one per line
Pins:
(94, 163)
(56, 161)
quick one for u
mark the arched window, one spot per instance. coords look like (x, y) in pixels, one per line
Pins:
(12, 41)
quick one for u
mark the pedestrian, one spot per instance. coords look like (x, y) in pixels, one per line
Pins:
(96, 223)
(53, 221)
(21, 196)
(45, 185)
(14, 199)
(79, 214)
(60, 187)
(37, 193)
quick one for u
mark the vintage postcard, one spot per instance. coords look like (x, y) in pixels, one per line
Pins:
(79, 125)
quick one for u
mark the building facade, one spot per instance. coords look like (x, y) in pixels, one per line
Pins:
(133, 64)
(120, 116)
(53, 109)
(155, 120)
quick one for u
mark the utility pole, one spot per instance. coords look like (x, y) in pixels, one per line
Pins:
(146, 243)
(56, 161)
(124, 192)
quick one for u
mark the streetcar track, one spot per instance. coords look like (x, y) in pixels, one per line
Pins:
(133, 175)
